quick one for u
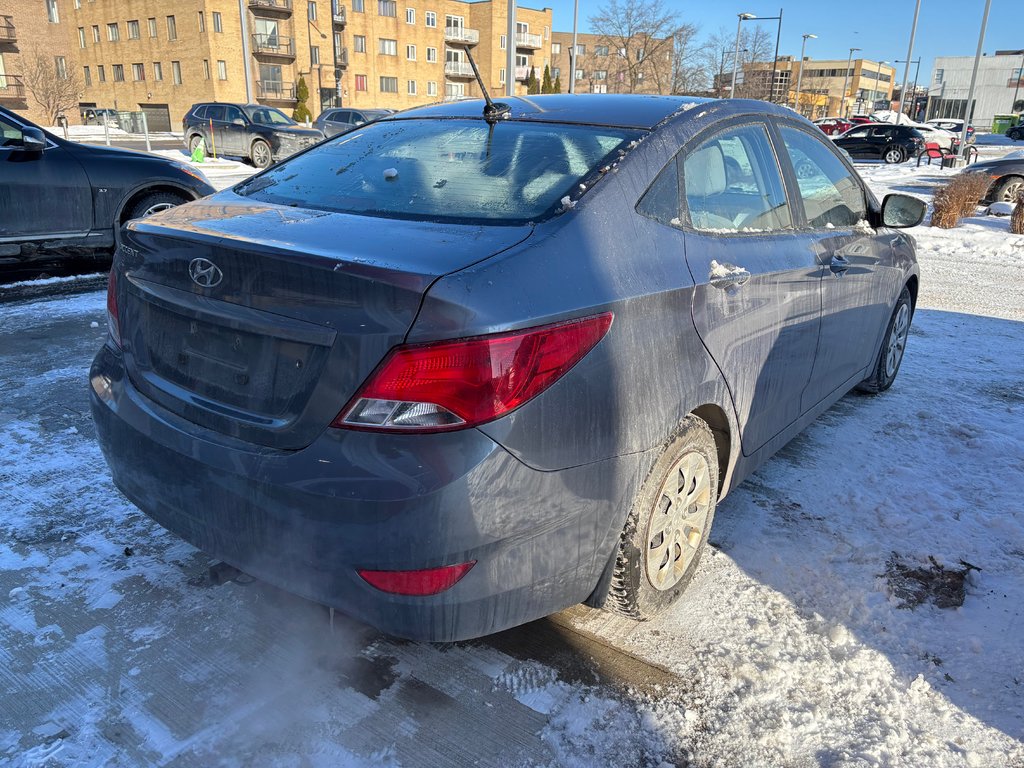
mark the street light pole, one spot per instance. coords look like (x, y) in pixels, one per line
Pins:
(572, 51)
(846, 84)
(800, 74)
(736, 53)
(968, 112)
(910, 55)
(775, 61)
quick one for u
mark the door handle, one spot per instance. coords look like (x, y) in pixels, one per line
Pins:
(839, 264)
(725, 276)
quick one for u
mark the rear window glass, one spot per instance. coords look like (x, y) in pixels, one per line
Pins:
(445, 170)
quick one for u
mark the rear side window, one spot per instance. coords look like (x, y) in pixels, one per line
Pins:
(661, 201)
(832, 197)
(463, 171)
(732, 183)
(199, 112)
(214, 112)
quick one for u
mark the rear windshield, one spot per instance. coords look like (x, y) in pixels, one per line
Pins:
(463, 171)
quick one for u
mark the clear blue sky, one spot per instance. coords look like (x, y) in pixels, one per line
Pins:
(880, 27)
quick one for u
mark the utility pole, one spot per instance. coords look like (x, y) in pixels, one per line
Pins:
(800, 74)
(572, 51)
(844, 111)
(968, 110)
(246, 57)
(510, 51)
(736, 53)
(910, 55)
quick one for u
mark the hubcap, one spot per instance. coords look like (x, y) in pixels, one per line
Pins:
(679, 521)
(897, 341)
(261, 155)
(1012, 192)
(157, 208)
(893, 155)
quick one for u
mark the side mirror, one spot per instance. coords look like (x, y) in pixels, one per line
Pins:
(238, 121)
(32, 140)
(902, 211)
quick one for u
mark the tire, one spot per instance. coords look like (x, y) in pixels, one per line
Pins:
(193, 142)
(894, 154)
(154, 203)
(1015, 134)
(1008, 189)
(260, 154)
(652, 568)
(894, 344)
(805, 169)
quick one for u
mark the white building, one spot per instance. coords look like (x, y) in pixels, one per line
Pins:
(1000, 86)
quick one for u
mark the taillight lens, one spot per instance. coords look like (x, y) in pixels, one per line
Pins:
(429, 581)
(112, 319)
(448, 385)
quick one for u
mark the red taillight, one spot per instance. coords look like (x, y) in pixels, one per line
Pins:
(112, 318)
(456, 384)
(429, 581)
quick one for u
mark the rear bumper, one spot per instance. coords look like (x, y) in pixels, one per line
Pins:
(307, 520)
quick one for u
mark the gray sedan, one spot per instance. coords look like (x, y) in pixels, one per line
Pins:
(468, 367)
(335, 121)
(1007, 175)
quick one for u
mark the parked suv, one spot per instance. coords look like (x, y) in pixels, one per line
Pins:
(1016, 133)
(63, 198)
(261, 134)
(335, 121)
(891, 143)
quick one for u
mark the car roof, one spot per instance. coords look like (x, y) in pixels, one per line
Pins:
(618, 110)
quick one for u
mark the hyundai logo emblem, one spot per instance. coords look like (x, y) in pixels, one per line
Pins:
(205, 273)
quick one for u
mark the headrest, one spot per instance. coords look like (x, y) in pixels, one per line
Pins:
(704, 172)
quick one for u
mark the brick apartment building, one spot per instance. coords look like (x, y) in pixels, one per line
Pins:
(161, 57)
(607, 65)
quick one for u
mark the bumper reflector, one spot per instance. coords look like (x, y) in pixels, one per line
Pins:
(429, 581)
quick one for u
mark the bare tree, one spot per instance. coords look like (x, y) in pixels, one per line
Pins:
(54, 90)
(639, 34)
(756, 46)
(690, 73)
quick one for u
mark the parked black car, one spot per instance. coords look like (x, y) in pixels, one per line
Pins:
(335, 121)
(891, 143)
(60, 197)
(261, 134)
(1016, 133)
(1007, 176)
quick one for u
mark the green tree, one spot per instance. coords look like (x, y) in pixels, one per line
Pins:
(532, 85)
(557, 87)
(546, 85)
(302, 113)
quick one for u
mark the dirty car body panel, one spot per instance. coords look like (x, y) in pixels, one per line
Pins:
(220, 408)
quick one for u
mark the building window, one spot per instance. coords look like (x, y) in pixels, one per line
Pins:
(218, 24)
(503, 42)
(431, 19)
(501, 74)
(359, 43)
(202, 22)
(389, 85)
(581, 50)
(206, 69)
(600, 74)
(387, 47)
(311, 10)
(431, 88)
(410, 15)
(152, 27)
(314, 54)
(387, 8)
(78, 4)
(158, 71)
(118, 71)
(176, 72)
(410, 52)
(556, 48)
(555, 73)
(102, 72)
(411, 87)
(360, 82)
(432, 55)
(640, 55)
(172, 28)
(579, 74)
(113, 32)
(95, 33)
(88, 76)
(357, 7)
(61, 65)
(939, 74)
(81, 37)
(133, 30)
(138, 72)
(596, 88)
(51, 12)
(601, 50)
(222, 69)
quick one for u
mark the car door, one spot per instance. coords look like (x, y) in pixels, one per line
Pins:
(214, 126)
(338, 122)
(234, 133)
(880, 137)
(858, 271)
(855, 141)
(756, 304)
(42, 194)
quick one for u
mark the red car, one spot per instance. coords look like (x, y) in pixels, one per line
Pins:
(833, 126)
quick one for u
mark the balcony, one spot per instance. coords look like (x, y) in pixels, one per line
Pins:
(529, 40)
(273, 46)
(342, 59)
(8, 34)
(458, 70)
(522, 74)
(338, 17)
(12, 88)
(271, 7)
(275, 90)
(461, 35)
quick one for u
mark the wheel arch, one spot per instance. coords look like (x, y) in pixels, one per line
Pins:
(716, 418)
(138, 193)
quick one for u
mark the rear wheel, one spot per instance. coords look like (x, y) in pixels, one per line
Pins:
(667, 529)
(894, 154)
(894, 344)
(1009, 189)
(194, 142)
(154, 203)
(260, 154)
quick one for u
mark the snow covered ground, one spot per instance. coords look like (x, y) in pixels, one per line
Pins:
(812, 635)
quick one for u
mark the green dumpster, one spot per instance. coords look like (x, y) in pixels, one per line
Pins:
(1003, 123)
